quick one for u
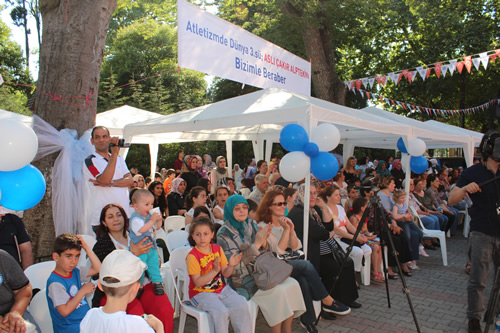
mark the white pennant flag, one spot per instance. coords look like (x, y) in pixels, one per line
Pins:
(452, 66)
(476, 63)
(422, 71)
(1, 79)
(394, 77)
(348, 84)
(484, 59)
(361, 93)
(444, 69)
(371, 81)
(413, 75)
(365, 82)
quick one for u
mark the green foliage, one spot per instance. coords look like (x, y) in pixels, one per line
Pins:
(147, 52)
(12, 97)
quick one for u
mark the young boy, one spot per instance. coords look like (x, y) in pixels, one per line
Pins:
(141, 223)
(65, 293)
(167, 184)
(119, 280)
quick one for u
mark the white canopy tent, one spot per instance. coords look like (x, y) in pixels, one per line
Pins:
(434, 133)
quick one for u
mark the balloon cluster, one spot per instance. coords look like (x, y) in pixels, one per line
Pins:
(22, 186)
(305, 155)
(416, 148)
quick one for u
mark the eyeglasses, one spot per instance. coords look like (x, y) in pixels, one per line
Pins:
(279, 204)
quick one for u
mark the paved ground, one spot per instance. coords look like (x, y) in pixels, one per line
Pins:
(438, 294)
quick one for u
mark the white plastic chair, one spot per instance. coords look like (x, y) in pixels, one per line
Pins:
(180, 276)
(38, 274)
(434, 234)
(161, 234)
(174, 222)
(466, 221)
(176, 239)
(366, 270)
(39, 309)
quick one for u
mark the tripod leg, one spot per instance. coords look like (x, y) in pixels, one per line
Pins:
(489, 315)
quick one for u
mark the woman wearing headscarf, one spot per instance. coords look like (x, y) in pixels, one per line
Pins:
(219, 172)
(175, 198)
(208, 164)
(189, 173)
(382, 169)
(238, 176)
(280, 304)
(398, 173)
(199, 167)
(319, 251)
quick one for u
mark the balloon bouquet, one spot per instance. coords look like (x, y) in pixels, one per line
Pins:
(416, 148)
(305, 155)
(22, 185)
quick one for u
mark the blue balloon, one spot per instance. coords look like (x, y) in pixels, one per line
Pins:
(21, 189)
(293, 137)
(311, 149)
(418, 164)
(324, 166)
(401, 146)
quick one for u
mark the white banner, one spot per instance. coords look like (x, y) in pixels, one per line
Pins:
(211, 45)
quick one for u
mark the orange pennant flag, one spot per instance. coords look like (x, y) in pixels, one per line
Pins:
(468, 63)
(437, 69)
(460, 66)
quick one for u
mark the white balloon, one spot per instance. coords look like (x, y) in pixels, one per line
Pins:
(294, 166)
(404, 159)
(326, 136)
(416, 147)
(18, 145)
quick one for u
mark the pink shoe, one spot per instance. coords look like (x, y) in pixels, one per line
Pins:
(423, 253)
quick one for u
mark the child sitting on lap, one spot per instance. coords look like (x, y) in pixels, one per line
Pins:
(141, 223)
(119, 279)
(205, 263)
(65, 293)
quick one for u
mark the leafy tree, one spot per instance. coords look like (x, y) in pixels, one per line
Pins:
(12, 97)
(146, 52)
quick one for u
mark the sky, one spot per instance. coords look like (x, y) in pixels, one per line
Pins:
(17, 35)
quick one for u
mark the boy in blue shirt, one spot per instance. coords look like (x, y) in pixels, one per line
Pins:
(65, 292)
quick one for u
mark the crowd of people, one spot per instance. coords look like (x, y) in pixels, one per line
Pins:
(233, 215)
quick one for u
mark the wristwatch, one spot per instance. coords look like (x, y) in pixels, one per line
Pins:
(111, 185)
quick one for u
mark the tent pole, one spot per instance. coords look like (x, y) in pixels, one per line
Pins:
(229, 155)
(153, 151)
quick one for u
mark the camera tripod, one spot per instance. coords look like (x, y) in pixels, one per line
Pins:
(381, 226)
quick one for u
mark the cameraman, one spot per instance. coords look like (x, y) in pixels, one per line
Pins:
(107, 173)
(485, 225)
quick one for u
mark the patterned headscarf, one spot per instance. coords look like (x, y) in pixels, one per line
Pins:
(175, 185)
(299, 201)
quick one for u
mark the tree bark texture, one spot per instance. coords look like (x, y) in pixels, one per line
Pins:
(319, 49)
(71, 53)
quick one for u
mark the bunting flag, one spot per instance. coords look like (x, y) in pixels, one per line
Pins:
(441, 69)
(377, 98)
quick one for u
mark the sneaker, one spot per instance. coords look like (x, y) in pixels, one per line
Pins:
(413, 266)
(474, 326)
(310, 328)
(158, 289)
(336, 308)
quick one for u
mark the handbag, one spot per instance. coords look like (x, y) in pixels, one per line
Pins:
(268, 271)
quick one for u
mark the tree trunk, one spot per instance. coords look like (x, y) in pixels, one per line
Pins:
(71, 53)
(319, 49)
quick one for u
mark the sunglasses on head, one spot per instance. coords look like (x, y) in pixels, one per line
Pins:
(279, 204)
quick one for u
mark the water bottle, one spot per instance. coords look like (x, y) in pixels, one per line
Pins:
(497, 324)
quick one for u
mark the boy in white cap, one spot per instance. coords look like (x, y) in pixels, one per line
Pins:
(119, 280)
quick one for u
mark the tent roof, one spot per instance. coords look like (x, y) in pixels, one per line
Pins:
(116, 119)
(433, 135)
(475, 136)
(263, 113)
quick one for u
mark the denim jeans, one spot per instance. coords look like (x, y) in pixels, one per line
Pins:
(414, 236)
(484, 248)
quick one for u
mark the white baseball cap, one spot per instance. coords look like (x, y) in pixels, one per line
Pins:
(123, 266)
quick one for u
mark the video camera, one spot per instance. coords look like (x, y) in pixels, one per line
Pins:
(121, 144)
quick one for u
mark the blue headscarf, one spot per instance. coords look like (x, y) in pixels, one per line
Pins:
(231, 202)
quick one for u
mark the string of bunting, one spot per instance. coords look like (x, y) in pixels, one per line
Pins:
(440, 69)
(430, 111)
